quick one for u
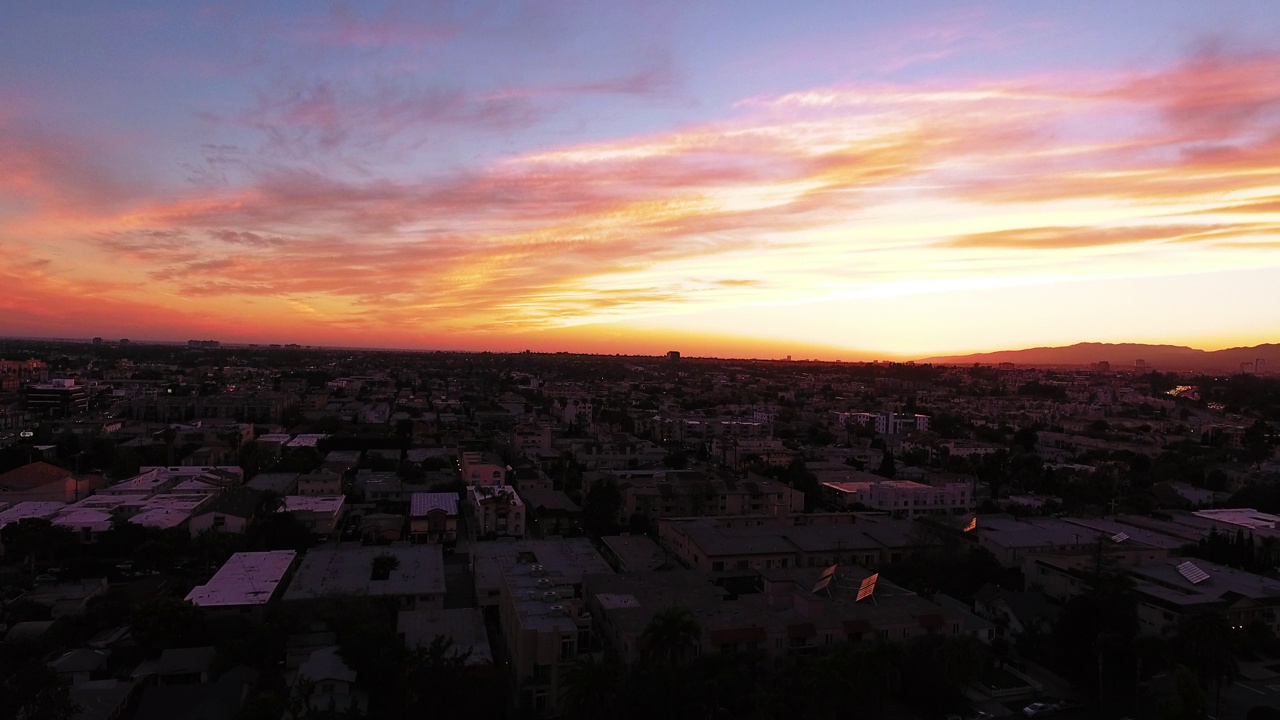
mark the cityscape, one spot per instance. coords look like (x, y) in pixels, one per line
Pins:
(299, 532)
(544, 360)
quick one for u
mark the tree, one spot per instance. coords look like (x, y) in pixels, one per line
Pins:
(165, 622)
(887, 467)
(962, 658)
(1026, 438)
(670, 636)
(384, 564)
(29, 688)
(270, 502)
(602, 506)
(31, 539)
(1204, 644)
(594, 688)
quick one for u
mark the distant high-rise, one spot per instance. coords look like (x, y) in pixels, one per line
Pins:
(673, 354)
(97, 341)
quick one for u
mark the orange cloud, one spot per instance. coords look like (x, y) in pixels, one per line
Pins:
(794, 196)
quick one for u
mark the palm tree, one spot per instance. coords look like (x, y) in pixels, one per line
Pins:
(594, 687)
(671, 634)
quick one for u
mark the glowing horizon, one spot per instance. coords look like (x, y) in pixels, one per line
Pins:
(832, 182)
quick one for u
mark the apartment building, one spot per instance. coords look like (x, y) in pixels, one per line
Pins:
(799, 612)
(535, 589)
(497, 510)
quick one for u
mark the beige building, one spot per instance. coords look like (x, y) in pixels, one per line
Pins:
(902, 498)
(497, 510)
(482, 468)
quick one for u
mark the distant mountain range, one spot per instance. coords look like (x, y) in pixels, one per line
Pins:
(1124, 356)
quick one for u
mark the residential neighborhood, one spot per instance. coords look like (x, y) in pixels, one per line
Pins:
(287, 532)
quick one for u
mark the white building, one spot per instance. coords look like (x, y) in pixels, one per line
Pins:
(246, 583)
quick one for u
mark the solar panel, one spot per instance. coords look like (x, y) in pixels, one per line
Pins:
(1119, 537)
(829, 571)
(868, 587)
(822, 584)
(1193, 573)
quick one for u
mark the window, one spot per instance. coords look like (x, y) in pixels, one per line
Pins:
(717, 566)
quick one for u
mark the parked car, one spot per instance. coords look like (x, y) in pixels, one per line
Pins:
(1037, 709)
(1068, 705)
(45, 578)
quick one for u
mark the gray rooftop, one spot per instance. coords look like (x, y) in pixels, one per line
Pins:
(349, 571)
(465, 626)
(634, 553)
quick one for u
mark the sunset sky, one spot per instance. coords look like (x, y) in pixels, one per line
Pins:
(842, 180)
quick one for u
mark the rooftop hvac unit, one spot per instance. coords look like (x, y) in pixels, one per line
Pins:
(545, 583)
(537, 570)
(560, 609)
(551, 596)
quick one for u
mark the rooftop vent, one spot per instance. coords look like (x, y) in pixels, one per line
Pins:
(551, 596)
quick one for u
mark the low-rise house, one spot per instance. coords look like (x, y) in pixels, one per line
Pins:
(178, 666)
(552, 512)
(381, 487)
(320, 483)
(80, 665)
(229, 512)
(69, 599)
(321, 514)
(328, 684)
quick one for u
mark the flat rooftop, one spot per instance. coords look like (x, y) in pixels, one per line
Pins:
(634, 553)
(349, 571)
(249, 578)
(465, 626)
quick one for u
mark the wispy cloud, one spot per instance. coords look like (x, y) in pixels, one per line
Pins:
(614, 230)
